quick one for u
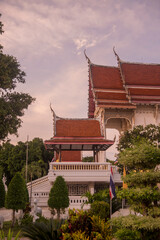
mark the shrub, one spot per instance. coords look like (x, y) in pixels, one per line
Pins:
(101, 209)
(43, 231)
(81, 224)
(27, 219)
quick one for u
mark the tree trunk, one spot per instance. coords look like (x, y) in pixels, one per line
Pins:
(58, 214)
(13, 217)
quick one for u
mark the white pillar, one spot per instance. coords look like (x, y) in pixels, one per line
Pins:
(91, 188)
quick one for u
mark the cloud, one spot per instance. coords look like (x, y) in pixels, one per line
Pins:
(48, 38)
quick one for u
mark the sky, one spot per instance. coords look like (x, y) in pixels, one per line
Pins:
(48, 38)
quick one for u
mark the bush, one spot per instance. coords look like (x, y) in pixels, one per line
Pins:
(127, 234)
(27, 219)
(43, 231)
(81, 224)
(101, 209)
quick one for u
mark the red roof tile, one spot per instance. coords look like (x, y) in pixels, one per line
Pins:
(78, 128)
(125, 86)
(106, 77)
(141, 74)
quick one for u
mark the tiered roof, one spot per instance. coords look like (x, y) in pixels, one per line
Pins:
(77, 135)
(125, 86)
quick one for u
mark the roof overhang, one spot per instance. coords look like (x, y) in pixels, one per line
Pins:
(78, 145)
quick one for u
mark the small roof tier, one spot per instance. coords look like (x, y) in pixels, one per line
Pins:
(77, 135)
(125, 86)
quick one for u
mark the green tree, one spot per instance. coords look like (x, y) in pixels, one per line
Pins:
(5, 155)
(58, 196)
(16, 197)
(88, 159)
(13, 159)
(34, 171)
(141, 161)
(2, 194)
(150, 133)
(12, 103)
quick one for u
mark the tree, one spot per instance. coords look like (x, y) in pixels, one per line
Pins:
(58, 196)
(16, 197)
(141, 161)
(5, 156)
(12, 103)
(150, 133)
(2, 194)
(13, 159)
(88, 159)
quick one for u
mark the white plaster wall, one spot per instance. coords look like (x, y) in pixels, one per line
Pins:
(144, 116)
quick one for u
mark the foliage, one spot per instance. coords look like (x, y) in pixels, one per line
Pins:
(42, 219)
(44, 231)
(142, 178)
(140, 158)
(127, 234)
(26, 220)
(9, 236)
(58, 196)
(16, 197)
(2, 194)
(8, 225)
(88, 159)
(12, 103)
(150, 133)
(101, 209)
(147, 227)
(81, 224)
(101, 197)
(13, 159)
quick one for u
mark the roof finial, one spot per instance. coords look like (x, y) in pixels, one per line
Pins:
(54, 115)
(89, 61)
(118, 59)
(54, 120)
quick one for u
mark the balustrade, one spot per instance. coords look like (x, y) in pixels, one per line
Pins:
(85, 166)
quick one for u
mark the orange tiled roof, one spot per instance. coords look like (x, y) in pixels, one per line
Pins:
(124, 86)
(77, 128)
(78, 135)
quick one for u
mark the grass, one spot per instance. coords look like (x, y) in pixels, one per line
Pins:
(8, 225)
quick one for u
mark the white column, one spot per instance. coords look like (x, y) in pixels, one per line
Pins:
(91, 187)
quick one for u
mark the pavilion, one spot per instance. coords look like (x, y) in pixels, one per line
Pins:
(119, 98)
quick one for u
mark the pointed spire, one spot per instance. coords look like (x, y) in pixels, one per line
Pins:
(54, 120)
(89, 61)
(118, 58)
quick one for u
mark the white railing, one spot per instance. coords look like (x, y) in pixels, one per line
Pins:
(81, 166)
(82, 171)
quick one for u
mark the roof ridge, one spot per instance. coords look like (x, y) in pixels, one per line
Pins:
(99, 65)
(139, 63)
(91, 119)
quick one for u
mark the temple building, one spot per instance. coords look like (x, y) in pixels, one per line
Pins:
(119, 98)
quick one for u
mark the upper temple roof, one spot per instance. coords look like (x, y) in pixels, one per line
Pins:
(124, 86)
